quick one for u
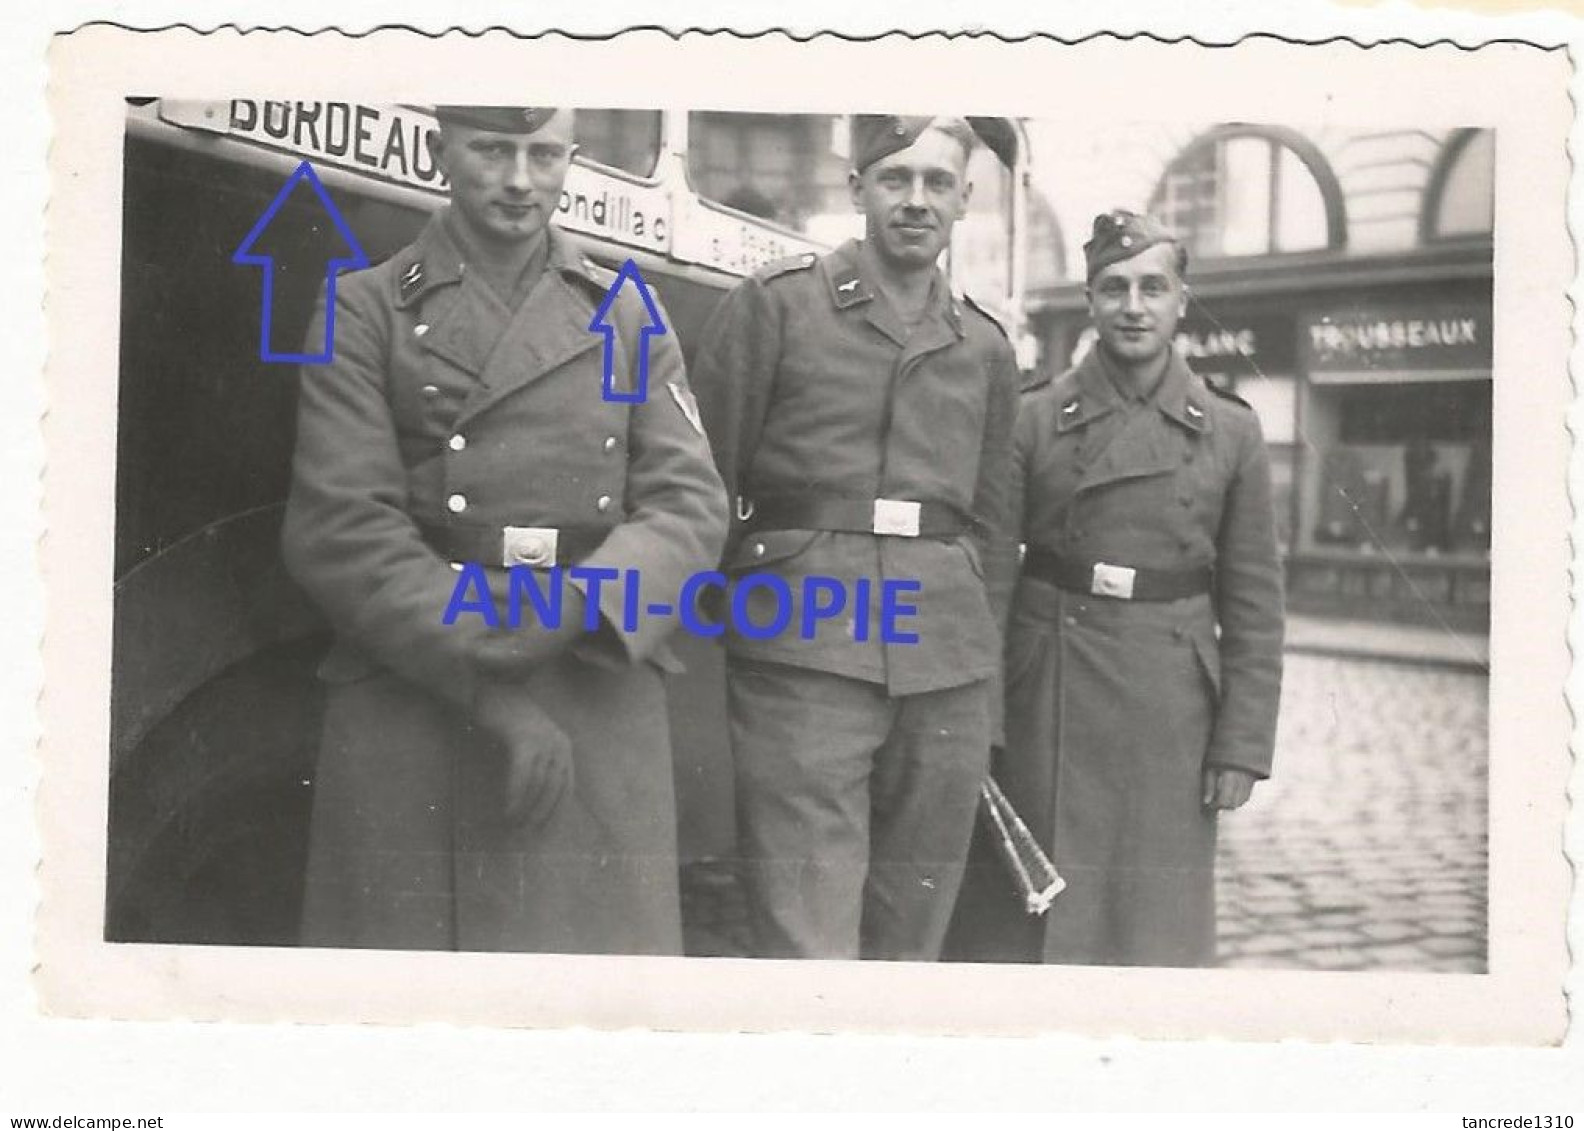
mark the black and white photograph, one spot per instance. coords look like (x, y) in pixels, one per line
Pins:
(1322, 294)
(898, 533)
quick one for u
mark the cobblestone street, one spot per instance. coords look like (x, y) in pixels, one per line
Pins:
(1366, 849)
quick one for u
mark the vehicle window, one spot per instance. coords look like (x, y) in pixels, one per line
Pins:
(787, 168)
(628, 140)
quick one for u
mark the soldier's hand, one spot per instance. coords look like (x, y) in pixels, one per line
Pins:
(509, 652)
(1227, 788)
(538, 771)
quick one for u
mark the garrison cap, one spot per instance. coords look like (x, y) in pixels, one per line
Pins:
(1120, 234)
(497, 119)
(880, 135)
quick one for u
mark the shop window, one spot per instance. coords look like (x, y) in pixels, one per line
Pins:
(1242, 191)
(1461, 194)
(1405, 467)
(628, 140)
(779, 167)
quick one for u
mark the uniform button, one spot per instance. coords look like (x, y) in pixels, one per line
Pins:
(457, 504)
(610, 443)
(458, 443)
(1069, 619)
(431, 390)
(421, 329)
(602, 504)
(758, 549)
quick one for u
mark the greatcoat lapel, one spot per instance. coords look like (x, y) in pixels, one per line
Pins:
(460, 327)
(549, 329)
(1121, 445)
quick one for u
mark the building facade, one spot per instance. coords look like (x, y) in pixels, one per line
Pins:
(1340, 282)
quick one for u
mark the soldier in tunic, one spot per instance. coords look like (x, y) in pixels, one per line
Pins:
(861, 417)
(1144, 648)
(481, 787)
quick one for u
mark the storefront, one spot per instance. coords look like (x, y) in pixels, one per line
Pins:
(1372, 380)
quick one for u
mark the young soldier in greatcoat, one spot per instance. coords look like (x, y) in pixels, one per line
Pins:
(861, 416)
(1143, 654)
(482, 788)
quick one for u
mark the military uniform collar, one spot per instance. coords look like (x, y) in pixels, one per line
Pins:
(845, 279)
(435, 259)
(432, 260)
(1090, 394)
(1181, 394)
(850, 285)
(566, 261)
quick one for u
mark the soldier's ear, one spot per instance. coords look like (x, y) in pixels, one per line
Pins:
(1182, 303)
(855, 187)
(435, 140)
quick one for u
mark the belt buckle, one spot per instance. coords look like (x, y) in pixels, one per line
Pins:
(1112, 581)
(529, 545)
(896, 516)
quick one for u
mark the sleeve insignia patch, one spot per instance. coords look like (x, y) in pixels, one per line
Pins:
(687, 403)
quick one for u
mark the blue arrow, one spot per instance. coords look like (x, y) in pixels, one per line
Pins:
(629, 273)
(248, 256)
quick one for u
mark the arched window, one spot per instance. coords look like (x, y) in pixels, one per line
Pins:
(1460, 197)
(1251, 190)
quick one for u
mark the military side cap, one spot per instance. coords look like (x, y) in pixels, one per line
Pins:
(880, 135)
(1120, 234)
(497, 119)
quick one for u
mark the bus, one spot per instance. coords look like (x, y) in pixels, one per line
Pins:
(215, 709)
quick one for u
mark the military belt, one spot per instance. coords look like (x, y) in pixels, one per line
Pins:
(540, 546)
(901, 518)
(1106, 579)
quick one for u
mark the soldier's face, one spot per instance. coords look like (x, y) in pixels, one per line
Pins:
(505, 187)
(911, 199)
(1136, 304)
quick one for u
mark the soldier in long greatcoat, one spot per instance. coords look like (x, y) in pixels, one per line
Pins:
(1143, 652)
(479, 787)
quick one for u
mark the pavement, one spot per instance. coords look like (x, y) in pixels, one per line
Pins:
(1366, 849)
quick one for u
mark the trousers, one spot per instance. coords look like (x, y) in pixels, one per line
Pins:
(854, 809)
